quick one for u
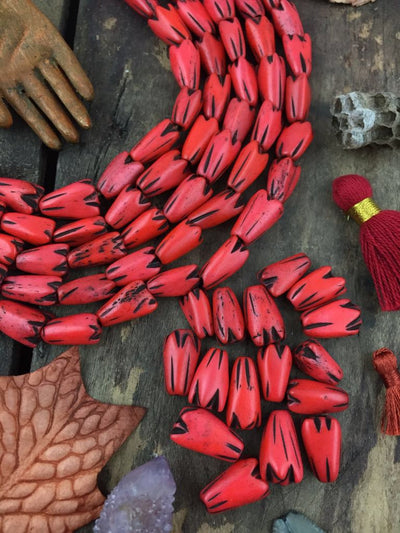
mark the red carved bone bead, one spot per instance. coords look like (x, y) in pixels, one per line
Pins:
(274, 363)
(128, 205)
(145, 8)
(31, 289)
(19, 195)
(268, 125)
(10, 247)
(258, 216)
(322, 439)
(219, 155)
(201, 431)
(249, 164)
(239, 485)
(271, 77)
(185, 64)
(195, 16)
(298, 53)
(212, 54)
(260, 35)
(218, 209)
(80, 231)
(250, 8)
(197, 310)
(210, 383)
(180, 355)
(30, 228)
(263, 319)
(47, 260)
(280, 458)
(130, 302)
(239, 118)
(244, 80)
(164, 174)
(76, 200)
(283, 176)
(168, 25)
(200, 134)
(178, 242)
(315, 289)
(294, 140)
(101, 251)
(156, 142)
(280, 276)
(86, 290)
(121, 172)
(216, 93)
(309, 397)
(228, 259)
(340, 318)
(145, 227)
(21, 322)
(142, 265)
(82, 328)
(297, 98)
(186, 108)
(228, 317)
(232, 37)
(190, 194)
(220, 9)
(175, 282)
(244, 403)
(312, 359)
(285, 17)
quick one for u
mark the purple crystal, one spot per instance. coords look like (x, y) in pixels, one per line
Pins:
(141, 502)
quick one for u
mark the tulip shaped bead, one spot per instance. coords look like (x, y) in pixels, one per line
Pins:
(101, 251)
(80, 231)
(249, 164)
(216, 93)
(228, 317)
(268, 125)
(244, 403)
(309, 397)
(142, 265)
(145, 8)
(297, 98)
(244, 80)
(31, 289)
(271, 80)
(128, 205)
(280, 276)
(250, 8)
(283, 176)
(199, 136)
(47, 260)
(260, 36)
(294, 140)
(86, 290)
(322, 439)
(178, 242)
(212, 54)
(274, 363)
(30, 228)
(285, 16)
(180, 355)
(20, 195)
(190, 194)
(185, 64)
(201, 431)
(220, 9)
(10, 247)
(312, 359)
(195, 16)
(239, 485)
(218, 209)
(165, 173)
(76, 200)
(232, 37)
(21, 322)
(122, 172)
(175, 282)
(298, 53)
(197, 310)
(219, 155)
(186, 108)
(239, 118)
(145, 227)
(339, 318)
(280, 458)
(83, 328)
(263, 319)
(227, 260)
(156, 142)
(168, 25)
(210, 383)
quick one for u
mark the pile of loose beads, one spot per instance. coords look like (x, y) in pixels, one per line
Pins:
(212, 388)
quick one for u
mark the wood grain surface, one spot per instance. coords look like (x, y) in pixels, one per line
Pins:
(353, 49)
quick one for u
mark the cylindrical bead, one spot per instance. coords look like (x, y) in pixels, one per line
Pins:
(339, 318)
(47, 260)
(175, 282)
(86, 290)
(31, 289)
(82, 328)
(30, 228)
(121, 172)
(101, 251)
(145, 227)
(309, 397)
(76, 200)
(142, 265)
(80, 231)
(197, 310)
(128, 205)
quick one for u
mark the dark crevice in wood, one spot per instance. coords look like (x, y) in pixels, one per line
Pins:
(21, 360)
(48, 168)
(71, 9)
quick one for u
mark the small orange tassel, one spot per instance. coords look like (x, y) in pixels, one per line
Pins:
(385, 364)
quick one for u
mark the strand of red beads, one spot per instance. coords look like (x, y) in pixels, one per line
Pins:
(211, 387)
(133, 281)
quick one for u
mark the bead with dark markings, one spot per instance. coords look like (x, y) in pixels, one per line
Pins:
(30, 228)
(297, 98)
(184, 59)
(168, 25)
(244, 403)
(219, 155)
(201, 431)
(228, 317)
(82, 328)
(179, 241)
(232, 37)
(280, 276)
(164, 174)
(193, 192)
(145, 8)
(212, 54)
(175, 282)
(195, 16)
(156, 142)
(10, 247)
(239, 118)
(101, 251)
(220, 9)
(339, 318)
(80, 231)
(200, 134)
(128, 205)
(76, 200)
(21, 322)
(145, 227)
(283, 176)
(280, 458)
(260, 37)
(31, 289)
(244, 80)
(285, 17)
(249, 164)
(187, 106)
(263, 319)
(294, 140)
(274, 363)
(268, 125)
(309, 397)
(216, 93)
(197, 310)
(86, 290)
(19, 195)
(142, 265)
(121, 172)
(132, 301)
(180, 355)
(210, 383)
(218, 209)
(271, 76)
(228, 259)
(47, 260)
(250, 8)
(322, 439)
(312, 359)
(298, 53)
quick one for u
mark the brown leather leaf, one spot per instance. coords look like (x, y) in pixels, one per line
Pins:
(54, 440)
